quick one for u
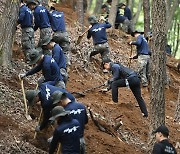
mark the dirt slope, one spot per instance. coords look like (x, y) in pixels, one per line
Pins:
(17, 133)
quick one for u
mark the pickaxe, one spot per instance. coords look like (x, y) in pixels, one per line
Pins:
(81, 36)
(82, 94)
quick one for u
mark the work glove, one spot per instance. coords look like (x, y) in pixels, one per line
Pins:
(105, 90)
(106, 83)
(37, 129)
(49, 140)
(22, 75)
(110, 81)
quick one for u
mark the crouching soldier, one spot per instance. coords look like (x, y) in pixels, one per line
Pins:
(49, 67)
(43, 94)
(98, 33)
(60, 35)
(77, 111)
(67, 132)
(124, 77)
(57, 55)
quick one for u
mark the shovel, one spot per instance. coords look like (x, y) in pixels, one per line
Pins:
(82, 94)
(81, 36)
(28, 117)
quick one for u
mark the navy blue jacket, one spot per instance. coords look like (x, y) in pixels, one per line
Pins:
(78, 111)
(50, 69)
(98, 33)
(58, 55)
(25, 17)
(67, 133)
(57, 21)
(142, 46)
(41, 17)
(127, 13)
(46, 90)
(120, 72)
(164, 147)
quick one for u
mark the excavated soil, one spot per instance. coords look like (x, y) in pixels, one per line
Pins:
(17, 133)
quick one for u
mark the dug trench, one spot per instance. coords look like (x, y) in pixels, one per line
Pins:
(131, 137)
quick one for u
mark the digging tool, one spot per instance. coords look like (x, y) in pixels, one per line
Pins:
(59, 148)
(81, 36)
(82, 94)
(28, 117)
(35, 134)
(129, 63)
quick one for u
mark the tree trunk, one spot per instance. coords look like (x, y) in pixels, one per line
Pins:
(170, 14)
(177, 42)
(136, 17)
(158, 67)
(98, 6)
(8, 16)
(177, 112)
(113, 12)
(146, 9)
(80, 14)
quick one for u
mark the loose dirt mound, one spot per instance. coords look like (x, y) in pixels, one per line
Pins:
(17, 133)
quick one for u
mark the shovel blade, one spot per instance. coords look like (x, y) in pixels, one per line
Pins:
(79, 39)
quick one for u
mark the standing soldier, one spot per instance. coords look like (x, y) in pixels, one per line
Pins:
(98, 33)
(58, 55)
(60, 35)
(26, 21)
(143, 55)
(41, 20)
(67, 132)
(163, 146)
(49, 67)
(124, 77)
(77, 111)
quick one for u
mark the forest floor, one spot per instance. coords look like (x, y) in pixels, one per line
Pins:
(16, 133)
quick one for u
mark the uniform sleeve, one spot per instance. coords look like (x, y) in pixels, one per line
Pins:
(54, 142)
(36, 20)
(34, 70)
(156, 149)
(138, 41)
(56, 56)
(108, 25)
(71, 97)
(21, 16)
(89, 34)
(115, 73)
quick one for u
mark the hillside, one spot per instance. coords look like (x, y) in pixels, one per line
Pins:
(131, 138)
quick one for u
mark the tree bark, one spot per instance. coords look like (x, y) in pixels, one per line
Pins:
(98, 6)
(8, 16)
(146, 9)
(177, 42)
(136, 17)
(177, 112)
(80, 14)
(170, 14)
(113, 12)
(158, 67)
